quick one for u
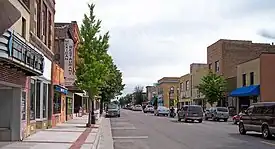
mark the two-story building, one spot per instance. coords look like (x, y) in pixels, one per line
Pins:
(185, 90)
(255, 82)
(167, 89)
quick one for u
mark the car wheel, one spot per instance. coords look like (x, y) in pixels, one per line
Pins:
(225, 119)
(200, 120)
(118, 115)
(242, 129)
(266, 133)
(179, 119)
(206, 118)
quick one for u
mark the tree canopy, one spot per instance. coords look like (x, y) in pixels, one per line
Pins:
(138, 95)
(213, 86)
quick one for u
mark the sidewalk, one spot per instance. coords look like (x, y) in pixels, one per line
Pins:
(69, 135)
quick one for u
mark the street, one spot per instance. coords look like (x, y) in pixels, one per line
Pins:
(136, 130)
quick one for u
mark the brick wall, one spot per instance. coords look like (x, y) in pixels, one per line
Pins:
(12, 76)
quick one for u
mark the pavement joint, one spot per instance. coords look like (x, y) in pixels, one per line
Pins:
(130, 137)
(269, 143)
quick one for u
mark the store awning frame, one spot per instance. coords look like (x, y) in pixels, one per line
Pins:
(252, 90)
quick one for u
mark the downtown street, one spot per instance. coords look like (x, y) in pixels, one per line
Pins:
(136, 130)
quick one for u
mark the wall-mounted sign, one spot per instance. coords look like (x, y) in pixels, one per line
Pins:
(69, 62)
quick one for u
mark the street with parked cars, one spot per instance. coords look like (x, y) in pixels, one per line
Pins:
(195, 128)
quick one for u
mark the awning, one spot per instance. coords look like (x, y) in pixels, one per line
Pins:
(252, 90)
(61, 89)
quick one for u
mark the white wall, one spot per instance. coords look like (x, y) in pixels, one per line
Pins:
(47, 68)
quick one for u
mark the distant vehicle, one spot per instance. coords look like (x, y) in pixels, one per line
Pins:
(190, 112)
(137, 108)
(236, 118)
(113, 110)
(217, 113)
(259, 117)
(161, 110)
(149, 108)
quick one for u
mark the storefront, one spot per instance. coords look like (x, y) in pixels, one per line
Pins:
(59, 97)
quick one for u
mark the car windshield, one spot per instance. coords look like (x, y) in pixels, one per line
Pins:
(195, 108)
(222, 109)
(112, 106)
(149, 106)
(138, 105)
(162, 108)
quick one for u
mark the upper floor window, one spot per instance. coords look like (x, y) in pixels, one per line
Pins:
(50, 30)
(187, 85)
(24, 25)
(244, 79)
(210, 66)
(217, 66)
(251, 78)
(44, 23)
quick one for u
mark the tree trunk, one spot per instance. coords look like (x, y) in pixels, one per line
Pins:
(91, 118)
(101, 106)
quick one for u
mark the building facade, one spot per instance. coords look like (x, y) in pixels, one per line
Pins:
(150, 92)
(223, 57)
(185, 90)
(167, 87)
(255, 82)
(197, 72)
(20, 60)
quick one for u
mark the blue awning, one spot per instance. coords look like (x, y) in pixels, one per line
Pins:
(252, 90)
(61, 89)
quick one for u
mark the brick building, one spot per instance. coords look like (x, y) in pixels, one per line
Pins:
(167, 91)
(20, 60)
(224, 55)
(185, 90)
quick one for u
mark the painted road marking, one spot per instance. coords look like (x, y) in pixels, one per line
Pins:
(123, 128)
(130, 137)
(269, 143)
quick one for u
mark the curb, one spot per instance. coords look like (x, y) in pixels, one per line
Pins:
(98, 135)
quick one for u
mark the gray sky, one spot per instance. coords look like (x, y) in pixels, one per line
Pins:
(151, 39)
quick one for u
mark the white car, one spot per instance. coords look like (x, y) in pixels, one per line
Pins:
(149, 108)
(162, 111)
(137, 108)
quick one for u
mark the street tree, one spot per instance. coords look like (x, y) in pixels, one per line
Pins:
(112, 87)
(92, 66)
(213, 86)
(138, 95)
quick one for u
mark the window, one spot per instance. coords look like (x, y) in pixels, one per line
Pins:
(23, 28)
(44, 23)
(187, 85)
(57, 103)
(217, 66)
(38, 18)
(45, 95)
(32, 104)
(50, 30)
(69, 105)
(23, 106)
(38, 89)
(35, 17)
(210, 66)
(244, 79)
(251, 78)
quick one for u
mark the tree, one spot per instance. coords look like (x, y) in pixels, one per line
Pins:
(213, 86)
(138, 95)
(112, 87)
(92, 67)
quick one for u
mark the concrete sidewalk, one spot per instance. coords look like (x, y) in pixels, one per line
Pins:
(69, 135)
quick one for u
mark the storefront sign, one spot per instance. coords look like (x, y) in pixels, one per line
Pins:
(69, 62)
(60, 89)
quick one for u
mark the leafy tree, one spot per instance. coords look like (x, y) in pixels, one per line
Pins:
(113, 86)
(138, 95)
(213, 86)
(92, 67)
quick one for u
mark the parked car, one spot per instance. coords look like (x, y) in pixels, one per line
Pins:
(113, 110)
(217, 113)
(190, 112)
(161, 110)
(236, 118)
(148, 108)
(137, 108)
(259, 117)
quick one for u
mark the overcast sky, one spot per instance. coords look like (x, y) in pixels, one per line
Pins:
(151, 39)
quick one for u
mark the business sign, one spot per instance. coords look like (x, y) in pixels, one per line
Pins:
(69, 62)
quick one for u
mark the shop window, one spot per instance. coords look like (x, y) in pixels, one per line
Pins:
(45, 95)
(244, 79)
(251, 78)
(32, 102)
(38, 105)
(57, 103)
(69, 105)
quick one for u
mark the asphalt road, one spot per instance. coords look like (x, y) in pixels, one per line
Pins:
(136, 130)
